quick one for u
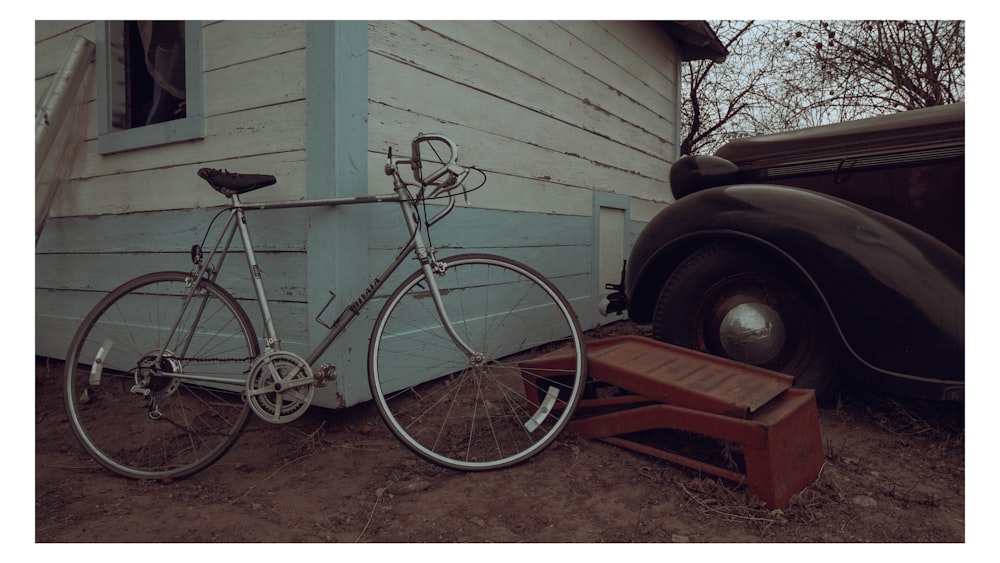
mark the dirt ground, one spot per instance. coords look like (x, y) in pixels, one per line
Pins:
(894, 472)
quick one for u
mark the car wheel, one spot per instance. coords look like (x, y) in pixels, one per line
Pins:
(731, 301)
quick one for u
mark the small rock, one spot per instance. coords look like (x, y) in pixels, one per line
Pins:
(862, 500)
(678, 538)
(406, 487)
(477, 521)
(257, 506)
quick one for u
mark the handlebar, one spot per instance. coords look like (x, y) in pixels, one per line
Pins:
(450, 171)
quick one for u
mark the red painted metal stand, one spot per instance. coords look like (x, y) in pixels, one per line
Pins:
(675, 388)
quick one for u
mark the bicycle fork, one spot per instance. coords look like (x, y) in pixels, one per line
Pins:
(432, 269)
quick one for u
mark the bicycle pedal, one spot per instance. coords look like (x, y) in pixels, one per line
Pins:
(325, 374)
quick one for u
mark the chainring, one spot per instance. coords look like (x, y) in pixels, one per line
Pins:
(271, 391)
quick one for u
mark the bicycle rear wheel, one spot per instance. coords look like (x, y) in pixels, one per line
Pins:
(148, 402)
(476, 408)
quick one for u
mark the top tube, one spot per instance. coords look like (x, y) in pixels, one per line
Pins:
(452, 172)
(323, 202)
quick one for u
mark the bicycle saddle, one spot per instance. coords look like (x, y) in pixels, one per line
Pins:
(232, 183)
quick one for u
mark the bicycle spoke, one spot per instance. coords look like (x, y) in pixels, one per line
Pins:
(141, 413)
(474, 412)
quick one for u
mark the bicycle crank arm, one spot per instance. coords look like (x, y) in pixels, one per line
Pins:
(282, 386)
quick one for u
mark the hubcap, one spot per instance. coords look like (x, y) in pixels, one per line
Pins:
(752, 333)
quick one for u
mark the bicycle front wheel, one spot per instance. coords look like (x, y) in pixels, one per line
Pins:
(148, 400)
(462, 398)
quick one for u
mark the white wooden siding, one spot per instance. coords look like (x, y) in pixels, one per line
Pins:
(52, 40)
(255, 122)
(114, 220)
(551, 110)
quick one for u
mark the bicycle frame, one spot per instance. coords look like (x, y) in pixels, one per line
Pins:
(209, 268)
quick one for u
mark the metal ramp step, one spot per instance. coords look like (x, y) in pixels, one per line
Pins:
(682, 377)
(672, 388)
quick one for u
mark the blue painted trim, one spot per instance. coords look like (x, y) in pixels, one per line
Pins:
(79, 259)
(191, 127)
(337, 165)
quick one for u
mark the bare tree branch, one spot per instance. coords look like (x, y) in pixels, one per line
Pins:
(783, 75)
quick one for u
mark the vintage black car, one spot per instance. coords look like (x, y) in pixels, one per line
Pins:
(824, 253)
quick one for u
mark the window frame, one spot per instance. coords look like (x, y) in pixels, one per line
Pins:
(184, 129)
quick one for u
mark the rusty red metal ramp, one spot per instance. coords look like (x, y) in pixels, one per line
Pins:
(669, 387)
(683, 377)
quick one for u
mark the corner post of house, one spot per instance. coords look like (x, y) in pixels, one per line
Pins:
(337, 166)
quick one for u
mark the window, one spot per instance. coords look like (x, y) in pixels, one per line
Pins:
(149, 84)
(151, 73)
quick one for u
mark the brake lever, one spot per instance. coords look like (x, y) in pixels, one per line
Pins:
(390, 167)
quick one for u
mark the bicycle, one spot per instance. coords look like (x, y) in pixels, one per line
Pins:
(164, 371)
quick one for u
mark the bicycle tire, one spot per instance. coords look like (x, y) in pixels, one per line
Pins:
(132, 419)
(482, 411)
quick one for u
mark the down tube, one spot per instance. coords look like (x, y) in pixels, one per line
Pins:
(354, 308)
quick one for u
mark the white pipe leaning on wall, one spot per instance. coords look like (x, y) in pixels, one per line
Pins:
(50, 115)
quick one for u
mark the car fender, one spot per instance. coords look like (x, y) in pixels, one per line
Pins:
(894, 294)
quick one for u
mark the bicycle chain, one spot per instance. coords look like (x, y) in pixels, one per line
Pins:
(214, 360)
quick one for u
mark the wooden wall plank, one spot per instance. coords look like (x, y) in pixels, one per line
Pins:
(281, 271)
(524, 159)
(233, 42)
(489, 58)
(168, 231)
(264, 81)
(588, 73)
(542, 137)
(58, 315)
(178, 187)
(649, 85)
(52, 40)
(482, 228)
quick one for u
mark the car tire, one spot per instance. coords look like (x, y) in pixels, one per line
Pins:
(733, 301)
